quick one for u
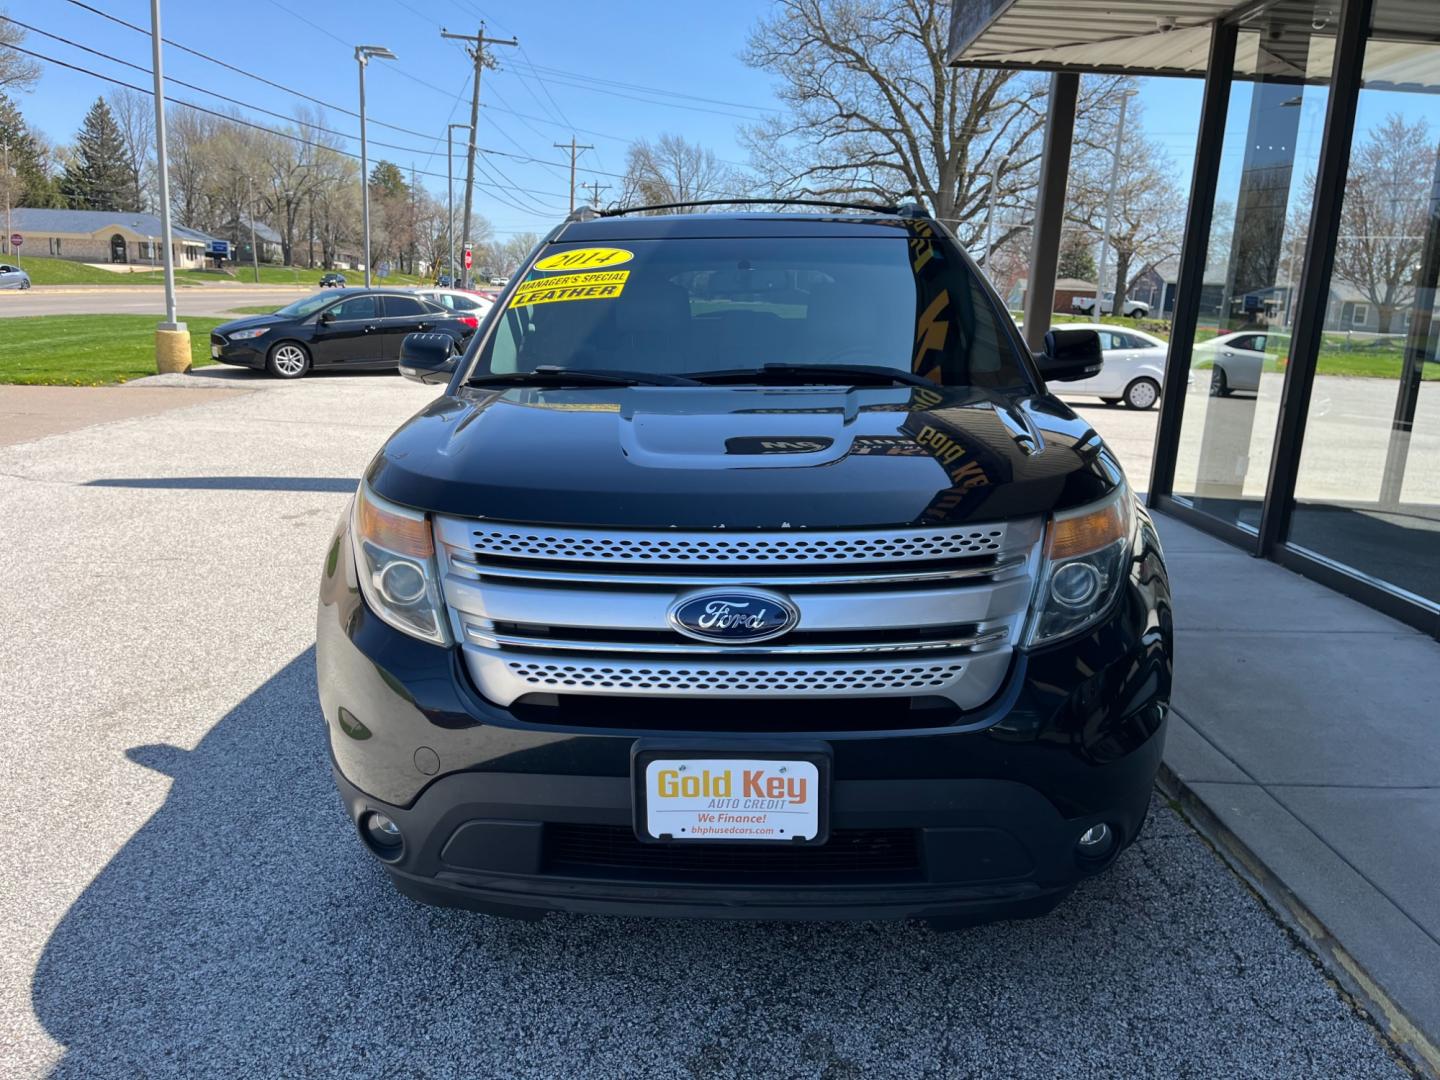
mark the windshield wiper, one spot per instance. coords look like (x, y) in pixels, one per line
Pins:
(850, 374)
(553, 375)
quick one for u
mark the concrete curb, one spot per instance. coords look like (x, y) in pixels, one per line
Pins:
(1419, 1052)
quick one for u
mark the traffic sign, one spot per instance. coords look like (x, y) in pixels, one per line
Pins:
(16, 239)
(467, 257)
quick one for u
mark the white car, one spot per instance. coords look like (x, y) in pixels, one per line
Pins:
(1237, 361)
(12, 277)
(1085, 305)
(459, 300)
(1134, 367)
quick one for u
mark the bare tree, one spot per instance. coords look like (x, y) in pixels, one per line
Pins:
(876, 113)
(672, 170)
(17, 71)
(135, 116)
(1149, 211)
(1383, 217)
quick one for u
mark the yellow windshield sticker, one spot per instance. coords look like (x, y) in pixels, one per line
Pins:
(595, 258)
(602, 285)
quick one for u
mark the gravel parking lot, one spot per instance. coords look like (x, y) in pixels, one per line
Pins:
(183, 895)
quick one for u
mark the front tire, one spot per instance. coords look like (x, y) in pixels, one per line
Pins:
(1142, 394)
(1219, 385)
(288, 360)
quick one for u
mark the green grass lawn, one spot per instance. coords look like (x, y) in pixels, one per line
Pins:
(46, 271)
(256, 309)
(88, 350)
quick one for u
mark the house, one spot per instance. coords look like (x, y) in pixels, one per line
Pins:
(104, 236)
(270, 242)
(1066, 290)
(1155, 285)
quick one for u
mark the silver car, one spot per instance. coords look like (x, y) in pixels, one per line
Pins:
(1236, 360)
(12, 277)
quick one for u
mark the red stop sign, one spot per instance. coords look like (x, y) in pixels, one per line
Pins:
(467, 258)
(16, 240)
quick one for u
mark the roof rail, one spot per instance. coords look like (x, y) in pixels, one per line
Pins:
(831, 203)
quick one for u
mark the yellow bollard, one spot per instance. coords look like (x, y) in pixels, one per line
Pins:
(172, 350)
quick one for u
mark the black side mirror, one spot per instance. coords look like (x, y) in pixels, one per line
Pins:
(1070, 355)
(327, 316)
(427, 358)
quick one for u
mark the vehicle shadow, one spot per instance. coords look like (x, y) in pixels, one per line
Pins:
(244, 931)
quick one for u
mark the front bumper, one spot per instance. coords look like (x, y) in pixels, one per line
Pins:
(241, 354)
(520, 817)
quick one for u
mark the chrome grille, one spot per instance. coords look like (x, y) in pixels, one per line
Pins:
(883, 613)
(766, 549)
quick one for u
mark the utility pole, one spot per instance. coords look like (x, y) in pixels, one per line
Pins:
(250, 213)
(6, 246)
(574, 149)
(1125, 96)
(450, 255)
(477, 53)
(595, 188)
(172, 339)
(363, 55)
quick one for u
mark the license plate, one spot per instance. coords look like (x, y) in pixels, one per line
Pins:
(720, 799)
(215, 352)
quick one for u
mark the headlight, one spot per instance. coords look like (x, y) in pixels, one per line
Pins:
(1087, 556)
(246, 335)
(395, 562)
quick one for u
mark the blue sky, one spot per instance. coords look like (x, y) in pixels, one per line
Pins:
(677, 46)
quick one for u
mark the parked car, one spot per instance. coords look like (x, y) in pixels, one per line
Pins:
(444, 281)
(357, 329)
(713, 609)
(1236, 361)
(12, 277)
(500, 282)
(1134, 368)
(460, 300)
(1085, 305)
(332, 281)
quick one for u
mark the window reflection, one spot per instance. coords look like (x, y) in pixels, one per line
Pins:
(1256, 250)
(1368, 492)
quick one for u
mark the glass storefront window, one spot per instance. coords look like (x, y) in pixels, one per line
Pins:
(1367, 496)
(1256, 249)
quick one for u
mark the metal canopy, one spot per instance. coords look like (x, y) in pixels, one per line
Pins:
(1172, 37)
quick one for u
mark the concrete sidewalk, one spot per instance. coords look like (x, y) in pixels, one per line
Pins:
(1305, 738)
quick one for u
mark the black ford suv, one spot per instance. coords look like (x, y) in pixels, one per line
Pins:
(746, 568)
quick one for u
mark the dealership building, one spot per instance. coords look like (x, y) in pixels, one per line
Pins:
(1312, 238)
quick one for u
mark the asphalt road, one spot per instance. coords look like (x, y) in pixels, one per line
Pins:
(143, 299)
(183, 896)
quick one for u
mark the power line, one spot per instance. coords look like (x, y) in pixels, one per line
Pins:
(229, 118)
(241, 71)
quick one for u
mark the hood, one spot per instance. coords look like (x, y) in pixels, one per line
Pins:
(251, 321)
(742, 457)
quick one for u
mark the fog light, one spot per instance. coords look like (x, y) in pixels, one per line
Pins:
(1095, 840)
(382, 834)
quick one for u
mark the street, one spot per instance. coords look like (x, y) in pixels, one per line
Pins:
(186, 896)
(143, 299)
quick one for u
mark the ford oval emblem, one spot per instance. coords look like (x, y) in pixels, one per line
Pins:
(740, 616)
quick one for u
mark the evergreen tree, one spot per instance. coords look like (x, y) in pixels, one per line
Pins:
(97, 177)
(387, 179)
(1076, 258)
(29, 183)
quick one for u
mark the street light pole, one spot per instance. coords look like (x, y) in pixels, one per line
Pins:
(363, 56)
(172, 339)
(1125, 97)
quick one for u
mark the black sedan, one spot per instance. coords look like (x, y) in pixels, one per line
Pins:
(354, 329)
(332, 280)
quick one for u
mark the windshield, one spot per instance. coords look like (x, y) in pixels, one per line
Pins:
(301, 308)
(690, 306)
